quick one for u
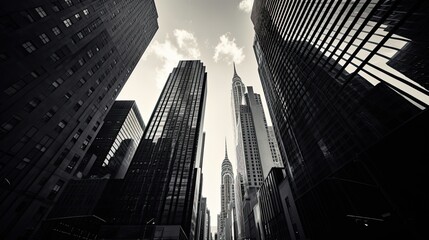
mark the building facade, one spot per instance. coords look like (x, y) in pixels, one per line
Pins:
(254, 147)
(162, 185)
(110, 154)
(63, 64)
(326, 70)
(227, 194)
(201, 226)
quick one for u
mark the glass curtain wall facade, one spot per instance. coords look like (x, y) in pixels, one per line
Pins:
(63, 63)
(163, 181)
(115, 144)
(327, 69)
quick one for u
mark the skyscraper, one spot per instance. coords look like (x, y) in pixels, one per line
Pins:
(332, 95)
(63, 63)
(203, 221)
(163, 181)
(227, 192)
(111, 152)
(254, 146)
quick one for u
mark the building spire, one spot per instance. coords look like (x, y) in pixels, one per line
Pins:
(235, 71)
(226, 150)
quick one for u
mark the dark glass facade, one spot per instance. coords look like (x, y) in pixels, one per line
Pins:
(114, 146)
(162, 185)
(326, 70)
(272, 217)
(63, 63)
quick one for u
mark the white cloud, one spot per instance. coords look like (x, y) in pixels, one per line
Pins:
(170, 54)
(246, 5)
(227, 50)
(188, 42)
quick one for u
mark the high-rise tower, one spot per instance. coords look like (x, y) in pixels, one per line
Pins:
(63, 63)
(163, 181)
(114, 146)
(227, 191)
(342, 79)
(254, 145)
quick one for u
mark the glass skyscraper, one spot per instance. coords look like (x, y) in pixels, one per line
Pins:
(110, 154)
(340, 77)
(63, 63)
(162, 185)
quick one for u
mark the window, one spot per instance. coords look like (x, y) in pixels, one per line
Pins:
(72, 163)
(70, 72)
(96, 125)
(27, 16)
(29, 47)
(61, 125)
(68, 2)
(89, 53)
(10, 124)
(79, 35)
(14, 88)
(56, 31)
(50, 113)
(54, 57)
(34, 74)
(85, 11)
(32, 104)
(40, 11)
(57, 83)
(81, 82)
(77, 135)
(68, 94)
(77, 16)
(44, 38)
(67, 22)
(61, 157)
(56, 7)
(81, 61)
(90, 91)
(78, 105)
(56, 189)
(44, 143)
(23, 163)
(86, 142)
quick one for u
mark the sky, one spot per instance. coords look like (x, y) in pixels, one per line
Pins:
(217, 32)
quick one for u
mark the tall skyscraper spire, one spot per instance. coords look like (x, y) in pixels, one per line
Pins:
(235, 70)
(226, 150)
(227, 196)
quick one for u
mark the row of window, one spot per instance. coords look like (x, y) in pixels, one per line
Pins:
(29, 47)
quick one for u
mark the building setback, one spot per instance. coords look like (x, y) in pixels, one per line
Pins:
(63, 63)
(332, 93)
(110, 154)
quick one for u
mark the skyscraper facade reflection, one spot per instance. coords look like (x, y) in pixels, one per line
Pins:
(63, 63)
(110, 154)
(325, 67)
(162, 185)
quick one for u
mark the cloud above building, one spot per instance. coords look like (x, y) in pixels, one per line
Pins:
(170, 52)
(246, 5)
(227, 50)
